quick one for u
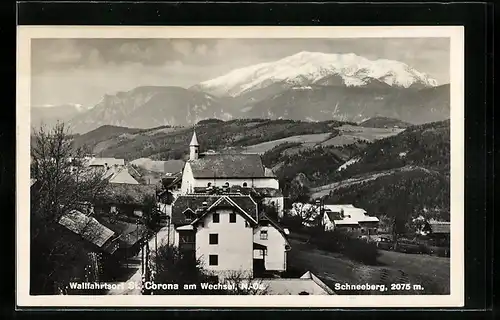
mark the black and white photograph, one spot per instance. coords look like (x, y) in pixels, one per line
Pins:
(221, 162)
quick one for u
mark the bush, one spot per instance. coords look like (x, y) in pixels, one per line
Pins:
(350, 246)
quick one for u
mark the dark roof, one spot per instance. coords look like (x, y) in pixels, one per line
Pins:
(129, 233)
(89, 229)
(333, 215)
(173, 166)
(122, 193)
(259, 246)
(264, 192)
(269, 192)
(228, 166)
(195, 203)
(440, 227)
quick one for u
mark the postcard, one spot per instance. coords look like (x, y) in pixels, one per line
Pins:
(297, 167)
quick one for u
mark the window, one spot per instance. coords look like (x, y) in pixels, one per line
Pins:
(213, 260)
(263, 235)
(215, 218)
(245, 184)
(263, 253)
(232, 217)
(213, 238)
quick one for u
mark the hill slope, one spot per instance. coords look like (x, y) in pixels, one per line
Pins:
(229, 136)
(148, 107)
(384, 122)
(315, 103)
(403, 175)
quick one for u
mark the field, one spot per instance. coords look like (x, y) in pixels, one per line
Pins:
(306, 139)
(349, 134)
(432, 273)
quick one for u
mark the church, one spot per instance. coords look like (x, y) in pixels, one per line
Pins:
(233, 172)
(224, 170)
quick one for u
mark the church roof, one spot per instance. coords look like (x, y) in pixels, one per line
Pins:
(194, 140)
(228, 166)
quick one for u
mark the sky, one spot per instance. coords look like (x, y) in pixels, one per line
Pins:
(83, 70)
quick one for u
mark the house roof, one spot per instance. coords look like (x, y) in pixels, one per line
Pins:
(115, 170)
(129, 233)
(173, 166)
(133, 194)
(268, 172)
(294, 286)
(195, 202)
(258, 246)
(332, 215)
(352, 214)
(346, 221)
(228, 166)
(104, 161)
(439, 227)
(87, 227)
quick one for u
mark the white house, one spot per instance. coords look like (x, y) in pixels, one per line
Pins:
(228, 234)
(348, 217)
(224, 170)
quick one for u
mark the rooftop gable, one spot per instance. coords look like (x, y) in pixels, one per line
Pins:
(244, 204)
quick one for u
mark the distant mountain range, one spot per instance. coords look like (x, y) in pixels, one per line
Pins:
(306, 86)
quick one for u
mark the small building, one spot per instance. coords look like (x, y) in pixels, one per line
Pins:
(91, 230)
(438, 231)
(349, 218)
(125, 199)
(130, 235)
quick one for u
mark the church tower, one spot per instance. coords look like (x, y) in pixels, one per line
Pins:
(194, 147)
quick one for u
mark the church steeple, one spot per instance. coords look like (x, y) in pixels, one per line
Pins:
(193, 147)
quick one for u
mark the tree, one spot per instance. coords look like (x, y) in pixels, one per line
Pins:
(63, 184)
(308, 214)
(173, 266)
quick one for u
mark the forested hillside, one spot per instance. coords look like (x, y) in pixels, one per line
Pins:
(403, 175)
(172, 142)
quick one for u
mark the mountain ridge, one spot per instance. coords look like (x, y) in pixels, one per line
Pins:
(306, 68)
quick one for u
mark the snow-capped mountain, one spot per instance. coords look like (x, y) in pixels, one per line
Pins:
(306, 68)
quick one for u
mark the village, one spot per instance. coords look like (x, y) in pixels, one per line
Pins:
(226, 213)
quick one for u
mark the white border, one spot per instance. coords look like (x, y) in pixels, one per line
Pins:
(456, 35)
